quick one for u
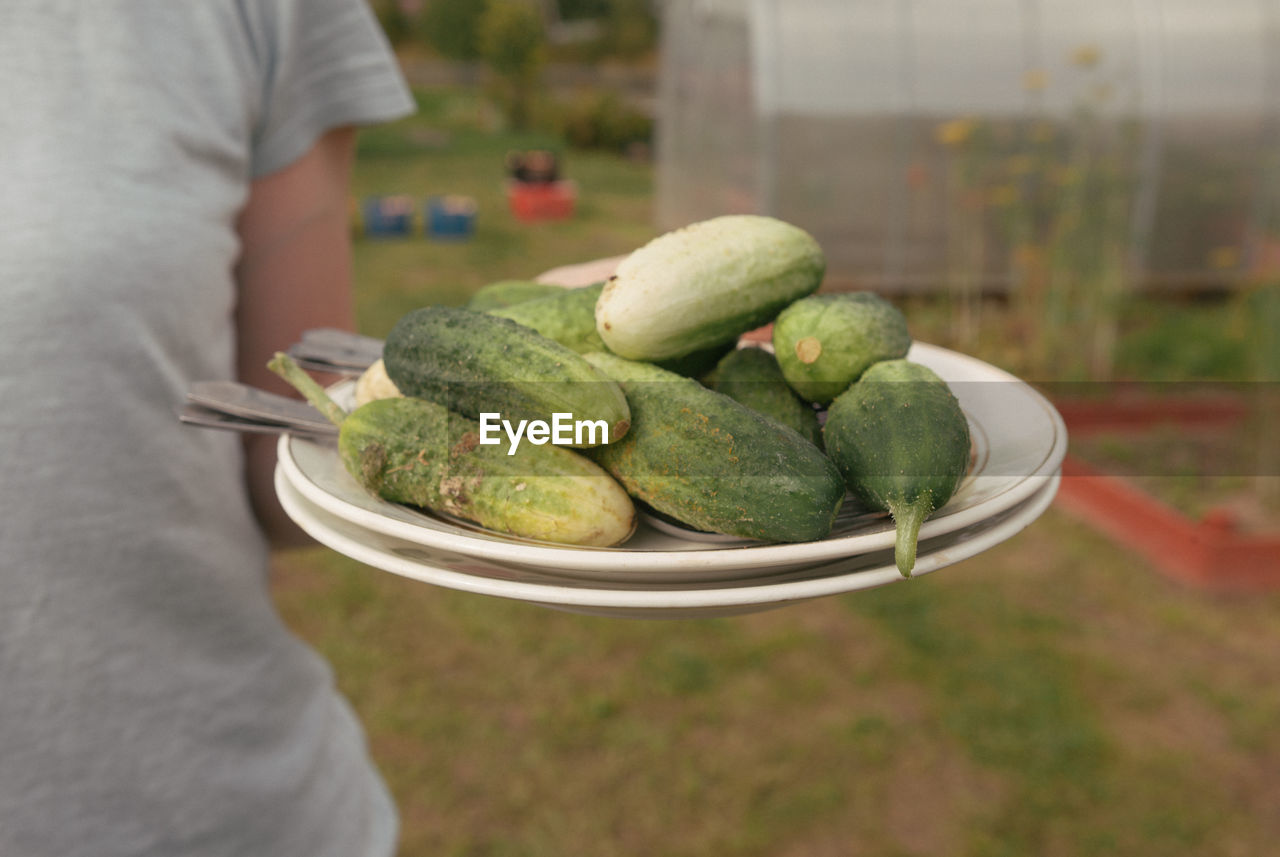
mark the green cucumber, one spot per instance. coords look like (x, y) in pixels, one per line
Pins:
(705, 285)
(416, 452)
(825, 342)
(476, 363)
(700, 457)
(570, 319)
(751, 376)
(506, 293)
(901, 442)
(696, 363)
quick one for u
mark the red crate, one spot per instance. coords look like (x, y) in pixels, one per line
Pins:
(531, 201)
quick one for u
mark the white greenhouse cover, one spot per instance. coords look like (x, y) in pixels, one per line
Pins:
(869, 121)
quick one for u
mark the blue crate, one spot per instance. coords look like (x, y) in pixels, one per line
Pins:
(451, 217)
(388, 216)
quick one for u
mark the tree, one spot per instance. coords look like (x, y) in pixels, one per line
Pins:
(394, 19)
(631, 28)
(512, 44)
(452, 27)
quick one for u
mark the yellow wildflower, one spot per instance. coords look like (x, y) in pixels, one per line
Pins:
(1027, 255)
(1221, 258)
(1003, 196)
(1086, 56)
(955, 132)
(1021, 165)
(1064, 174)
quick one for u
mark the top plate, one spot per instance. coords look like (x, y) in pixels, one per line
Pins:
(1019, 443)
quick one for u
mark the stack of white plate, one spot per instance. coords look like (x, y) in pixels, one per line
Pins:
(664, 571)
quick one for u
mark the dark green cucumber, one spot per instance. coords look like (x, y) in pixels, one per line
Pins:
(476, 363)
(570, 319)
(506, 293)
(825, 342)
(700, 457)
(751, 377)
(416, 452)
(697, 363)
(901, 442)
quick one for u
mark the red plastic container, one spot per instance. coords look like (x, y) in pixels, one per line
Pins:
(533, 201)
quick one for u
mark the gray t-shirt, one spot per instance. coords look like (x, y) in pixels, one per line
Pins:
(151, 700)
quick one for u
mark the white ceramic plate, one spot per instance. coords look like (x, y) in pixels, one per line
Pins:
(1019, 443)
(634, 599)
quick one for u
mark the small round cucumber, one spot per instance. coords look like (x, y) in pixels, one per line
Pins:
(825, 342)
(751, 376)
(901, 443)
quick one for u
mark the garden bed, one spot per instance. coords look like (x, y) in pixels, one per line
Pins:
(1180, 481)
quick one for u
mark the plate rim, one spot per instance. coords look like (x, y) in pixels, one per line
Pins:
(656, 599)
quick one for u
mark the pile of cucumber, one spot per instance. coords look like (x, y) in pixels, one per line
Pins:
(720, 438)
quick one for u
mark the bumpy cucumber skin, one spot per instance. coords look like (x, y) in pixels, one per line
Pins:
(901, 443)
(703, 459)
(705, 285)
(751, 376)
(472, 363)
(416, 452)
(825, 342)
(505, 293)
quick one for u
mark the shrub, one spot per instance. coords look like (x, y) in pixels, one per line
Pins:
(395, 20)
(602, 120)
(513, 45)
(452, 27)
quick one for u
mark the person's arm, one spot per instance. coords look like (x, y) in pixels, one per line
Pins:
(294, 273)
(581, 273)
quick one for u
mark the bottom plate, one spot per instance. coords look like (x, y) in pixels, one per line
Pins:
(669, 599)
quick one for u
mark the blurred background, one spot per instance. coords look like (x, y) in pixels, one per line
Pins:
(1085, 194)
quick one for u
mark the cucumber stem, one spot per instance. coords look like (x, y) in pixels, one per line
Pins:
(907, 518)
(285, 366)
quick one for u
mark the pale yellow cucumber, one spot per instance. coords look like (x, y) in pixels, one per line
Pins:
(705, 285)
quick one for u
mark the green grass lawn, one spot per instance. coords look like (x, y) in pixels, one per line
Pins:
(1054, 696)
(448, 148)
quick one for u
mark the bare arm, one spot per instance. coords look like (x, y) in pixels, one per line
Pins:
(294, 273)
(582, 273)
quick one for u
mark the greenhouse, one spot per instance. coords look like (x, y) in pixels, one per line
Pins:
(932, 142)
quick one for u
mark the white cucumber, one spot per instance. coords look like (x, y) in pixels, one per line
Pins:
(705, 285)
